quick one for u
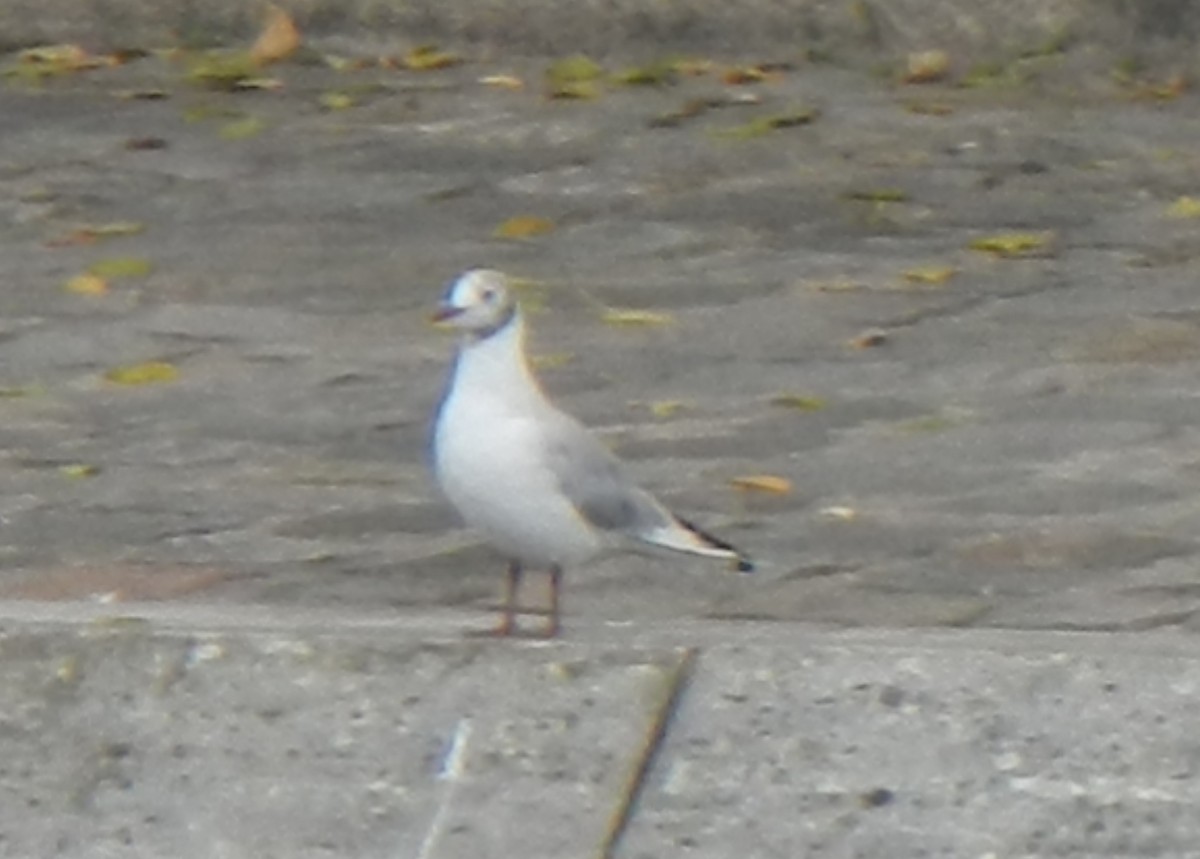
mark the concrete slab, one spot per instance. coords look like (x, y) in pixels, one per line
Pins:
(152, 730)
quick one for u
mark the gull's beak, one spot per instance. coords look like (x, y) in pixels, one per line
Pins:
(444, 313)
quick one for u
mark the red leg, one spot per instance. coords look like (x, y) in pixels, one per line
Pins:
(553, 626)
(512, 585)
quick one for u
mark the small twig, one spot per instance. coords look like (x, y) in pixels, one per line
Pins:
(453, 766)
(676, 683)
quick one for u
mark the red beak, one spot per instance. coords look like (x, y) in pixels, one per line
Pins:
(443, 312)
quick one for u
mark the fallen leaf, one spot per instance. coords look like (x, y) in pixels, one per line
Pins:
(335, 100)
(1012, 244)
(933, 275)
(742, 75)
(767, 483)
(90, 234)
(59, 55)
(630, 317)
(20, 392)
(427, 58)
(240, 129)
(692, 67)
(1185, 207)
(799, 402)
(767, 124)
(121, 267)
(658, 74)
(927, 67)
(78, 470)
(346, 64)
(523, 227)
(87, 284)
(869, 339)
(840, 512)
(221, 70)
(279, 39)
(573, 77)
(503, 82)
(145, 144)
(205, 112)
(147, 373)
(928, 108)
(260, 84)
(878, 195)
(149, 94)
(661, 409)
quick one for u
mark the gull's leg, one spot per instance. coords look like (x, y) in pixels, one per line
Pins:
(511, 586)
(553, 625)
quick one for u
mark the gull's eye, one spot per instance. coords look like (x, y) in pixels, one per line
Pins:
(488, 294)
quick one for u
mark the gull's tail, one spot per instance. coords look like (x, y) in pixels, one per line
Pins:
(683, 536)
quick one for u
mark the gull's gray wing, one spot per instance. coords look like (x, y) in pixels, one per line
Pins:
(593, 480)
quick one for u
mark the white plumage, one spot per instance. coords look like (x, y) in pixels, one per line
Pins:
(531, 478)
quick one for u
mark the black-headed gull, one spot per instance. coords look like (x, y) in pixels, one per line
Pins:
(540, 487)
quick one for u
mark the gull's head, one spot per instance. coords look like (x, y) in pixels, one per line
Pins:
(478, 301)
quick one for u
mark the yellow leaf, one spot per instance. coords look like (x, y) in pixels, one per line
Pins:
(799, 402)
(766, 124)
(929, 108)
(87, 284)
(240, 129)
(652, 75)
(205, 112)
(60, 55)
(627, 316)
(523, 227)
(279, 38)
(934, 275)
(573, 77)
(336, 100)
(1185, 207)
(427, 58)
(662, 409)
(927, 66)
(147, 373)
(503, 82)
(767, 483)
(221, 70)
(878, 195)
(121, 267)
(344, 64)
(78, 470)
(1012, 244)
(573, 69)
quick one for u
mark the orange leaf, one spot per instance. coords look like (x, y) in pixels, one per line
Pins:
(279, 38)
(523, 227)
(768, 483)
(87, 284)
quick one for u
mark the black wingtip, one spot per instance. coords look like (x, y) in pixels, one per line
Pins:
(740, 562)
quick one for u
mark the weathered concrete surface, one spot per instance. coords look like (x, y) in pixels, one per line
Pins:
(191, 733)
(1018, 451)
(845, 29)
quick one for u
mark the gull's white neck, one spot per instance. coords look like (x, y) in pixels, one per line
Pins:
(495, 366)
